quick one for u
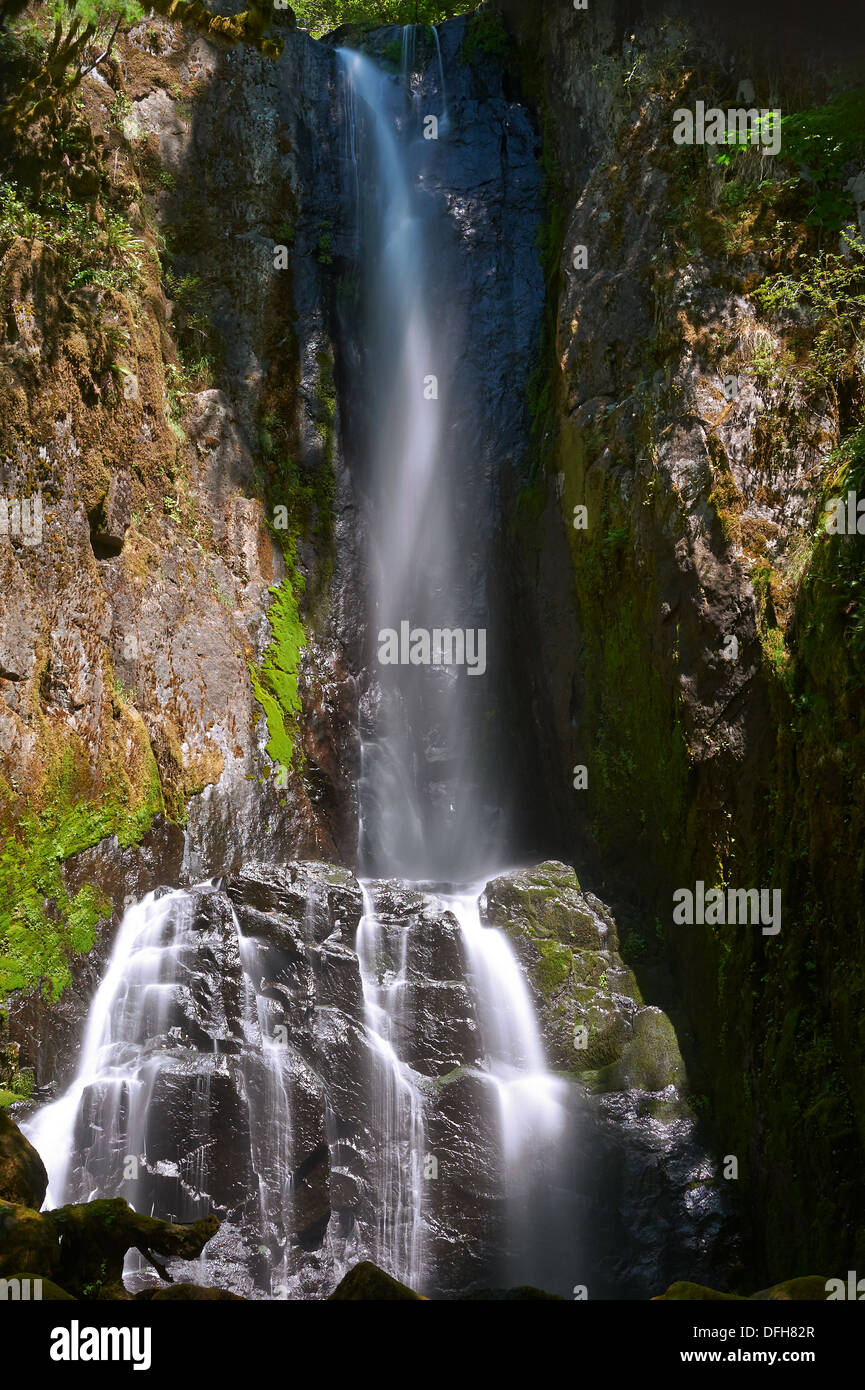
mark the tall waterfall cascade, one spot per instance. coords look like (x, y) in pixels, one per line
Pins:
(422, 805)
(195, 1024)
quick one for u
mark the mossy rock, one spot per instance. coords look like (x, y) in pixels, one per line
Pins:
(28, 1243)
(651, 1061)
(554, 967)
(540, 904)
(696, 1293)
(367, 1281)
(49, 1292)
(23, 1179)
(811, 1287)
(664, 1109)
(94, 1238)
(605, 1025)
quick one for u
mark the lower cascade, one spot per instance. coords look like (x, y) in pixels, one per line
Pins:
(344, 1071)
(411, 1108)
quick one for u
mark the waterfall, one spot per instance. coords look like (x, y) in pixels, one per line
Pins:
(535, 1107)
(443, 120)
(199, 1014)
(417, 789)
(397, 1104)
(421, 815)
(152, 1019)
(122, 1055)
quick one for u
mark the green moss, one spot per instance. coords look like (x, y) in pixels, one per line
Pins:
(42, 925)
(697, 1292)
(274, 679)
(485, 37)
(104, 255)
(554, 967)
(450, 1077)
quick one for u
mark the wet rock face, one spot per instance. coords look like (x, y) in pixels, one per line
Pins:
(149, 592)
(267, 1093)
(268, 135)
(702, 477)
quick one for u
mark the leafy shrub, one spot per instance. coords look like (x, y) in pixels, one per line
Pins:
(106, 255)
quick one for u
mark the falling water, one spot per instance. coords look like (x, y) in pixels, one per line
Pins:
(421, 816)
(397, 1103)
(419, 813)
(102, 1117)
(101, 1138)
(443, 120)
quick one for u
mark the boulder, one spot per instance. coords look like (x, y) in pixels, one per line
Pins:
(810, 1288)
(39, 1289)
(28, 1243)
(650, 1060)
(367, 1281)
(23, 1179)
(682, 1290)
(93, 1239)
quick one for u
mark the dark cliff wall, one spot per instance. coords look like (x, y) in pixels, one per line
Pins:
(704, 524)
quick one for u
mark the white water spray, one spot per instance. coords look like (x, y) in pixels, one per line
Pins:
(119, 1058)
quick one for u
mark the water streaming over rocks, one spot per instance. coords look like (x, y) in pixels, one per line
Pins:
(347, 1069)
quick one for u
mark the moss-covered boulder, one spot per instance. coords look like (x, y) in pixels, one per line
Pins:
(83, 1247)
(41, 1290)
(696, 1293)
(593, 1017)
(94, 1238)
(545, 903)
(650, 1060)
(28, 1243)
(23, 1179)
(196, 1293)
(810, 1288)
(367, 1281)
